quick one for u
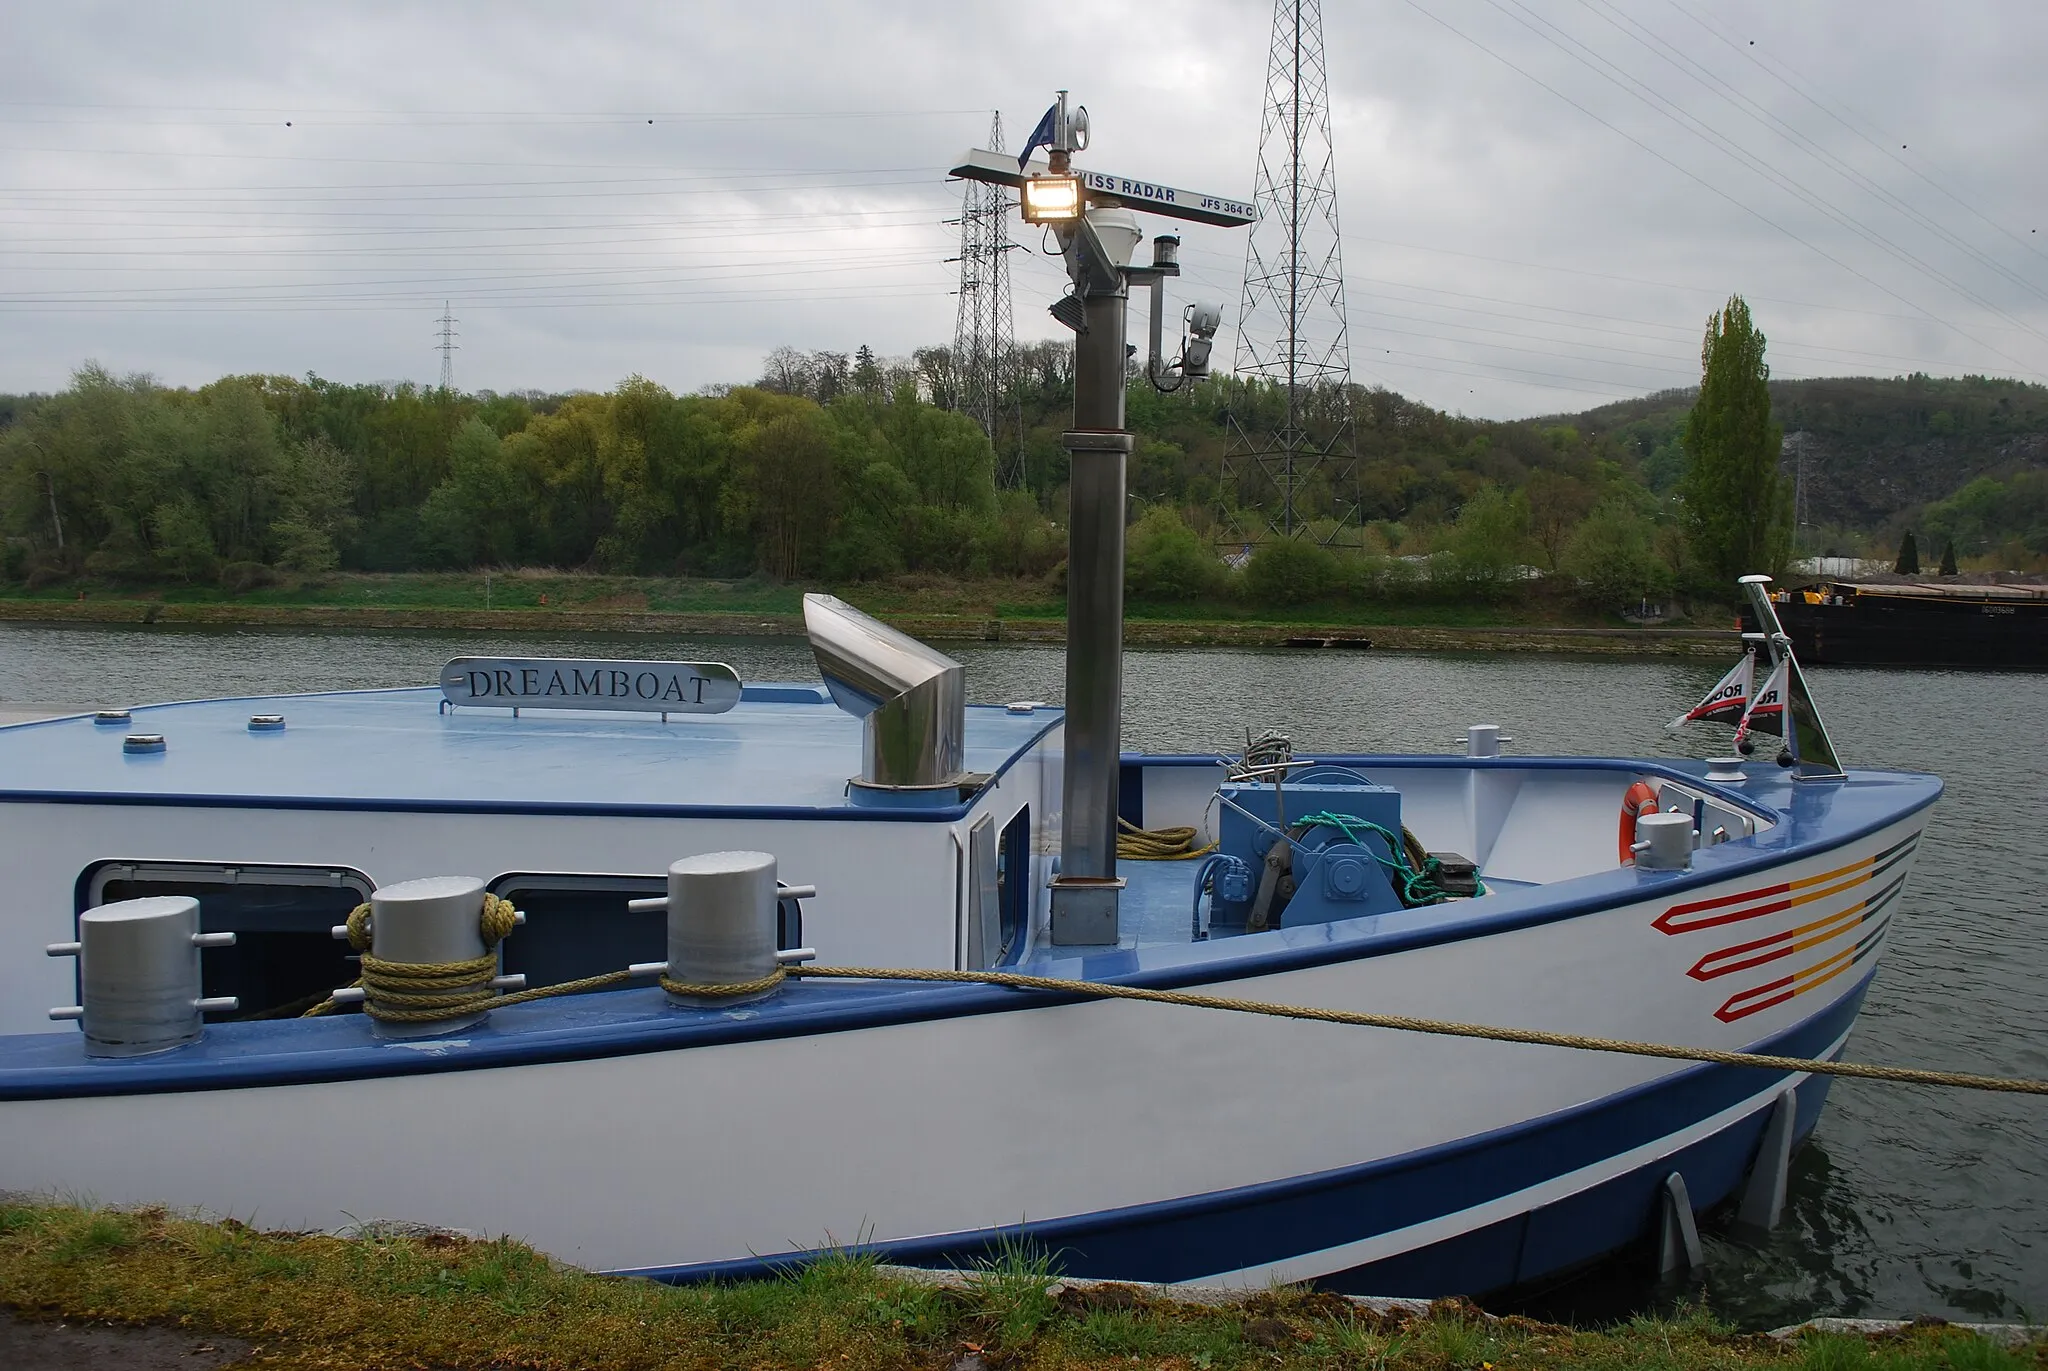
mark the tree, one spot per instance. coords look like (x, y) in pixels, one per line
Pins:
(867, 374)
(867, 542)
(792, 494)
(183, 545)
(1909, 557)
(786, 371)
(234, 467)
(1612, 555)
(1557, 502)
(1738, 509)
(318, 515)
(1490, 536)
(475, 515)
(1170, 561)
(1290, 571)
(946, 455)
(1948, 559)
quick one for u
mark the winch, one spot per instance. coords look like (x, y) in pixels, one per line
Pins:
(1303, 843)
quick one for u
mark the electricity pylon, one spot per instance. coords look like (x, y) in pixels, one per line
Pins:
(984, 322)
(447, 345)
(1292, 432)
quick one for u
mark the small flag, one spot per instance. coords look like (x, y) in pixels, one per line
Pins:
(1727, 702)
(1766, 714)
(1041, 137)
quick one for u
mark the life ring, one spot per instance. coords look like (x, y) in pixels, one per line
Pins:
(1639, 800)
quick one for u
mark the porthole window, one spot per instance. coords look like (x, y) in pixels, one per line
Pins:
(579, 925)
(285, 958)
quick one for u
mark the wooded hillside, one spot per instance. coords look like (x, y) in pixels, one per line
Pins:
(1874, 450)
(846, 468)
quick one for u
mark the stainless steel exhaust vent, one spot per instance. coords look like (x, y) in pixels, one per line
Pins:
(911, 699)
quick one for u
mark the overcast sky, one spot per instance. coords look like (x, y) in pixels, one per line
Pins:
(1541, 199)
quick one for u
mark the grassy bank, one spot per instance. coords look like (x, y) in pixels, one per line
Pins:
(1009, 611)
(310, 1301)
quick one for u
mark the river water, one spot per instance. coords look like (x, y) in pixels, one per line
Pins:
(1908, 1201)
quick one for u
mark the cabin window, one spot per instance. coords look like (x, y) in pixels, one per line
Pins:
(1013, 886)
(579, 926)
(285, 959)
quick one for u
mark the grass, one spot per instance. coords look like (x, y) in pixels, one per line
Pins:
(309, 1301)
(1022, 601)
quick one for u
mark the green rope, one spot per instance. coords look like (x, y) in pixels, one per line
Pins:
(1417, 883)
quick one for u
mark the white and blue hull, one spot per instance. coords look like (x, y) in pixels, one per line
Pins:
(1132, 1140)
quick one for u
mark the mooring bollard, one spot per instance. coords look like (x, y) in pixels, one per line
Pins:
(1664, 842)
(431, 920)
(139, 977)
(721, 924)
(1484, 740)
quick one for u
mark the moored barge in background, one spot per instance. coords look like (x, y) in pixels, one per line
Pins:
(1953, 622)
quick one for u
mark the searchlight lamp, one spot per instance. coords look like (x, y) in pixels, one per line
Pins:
(1052, 199)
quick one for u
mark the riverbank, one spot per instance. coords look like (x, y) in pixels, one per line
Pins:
(399, 1299)
(1009, 612)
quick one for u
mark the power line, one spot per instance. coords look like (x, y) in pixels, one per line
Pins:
(858, 266)
(1681, 340)
(1707, 133)
(717, 115)
(1675, 56)
(668, 173)
(408, 303)
(1792, 81)
(1704, 184)
(1676, 335)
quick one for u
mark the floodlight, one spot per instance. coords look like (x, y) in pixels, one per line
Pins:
(1052, 199)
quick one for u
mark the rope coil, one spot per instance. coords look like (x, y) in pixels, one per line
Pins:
(1175, 844)
(429, 992)
(720, 992)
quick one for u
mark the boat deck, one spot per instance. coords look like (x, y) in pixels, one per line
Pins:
(782, 749)
(1158, 905)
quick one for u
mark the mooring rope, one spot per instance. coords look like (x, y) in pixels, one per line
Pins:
(721, 992)
(1157, 844)
(429, 992)
(1900, 1075)
(425, 992)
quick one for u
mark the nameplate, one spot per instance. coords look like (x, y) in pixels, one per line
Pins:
(574, 683)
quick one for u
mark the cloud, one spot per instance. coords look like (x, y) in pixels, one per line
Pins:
(1540, 199)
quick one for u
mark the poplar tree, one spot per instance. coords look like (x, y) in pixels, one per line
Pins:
(1737, 505)
(1909, 557)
